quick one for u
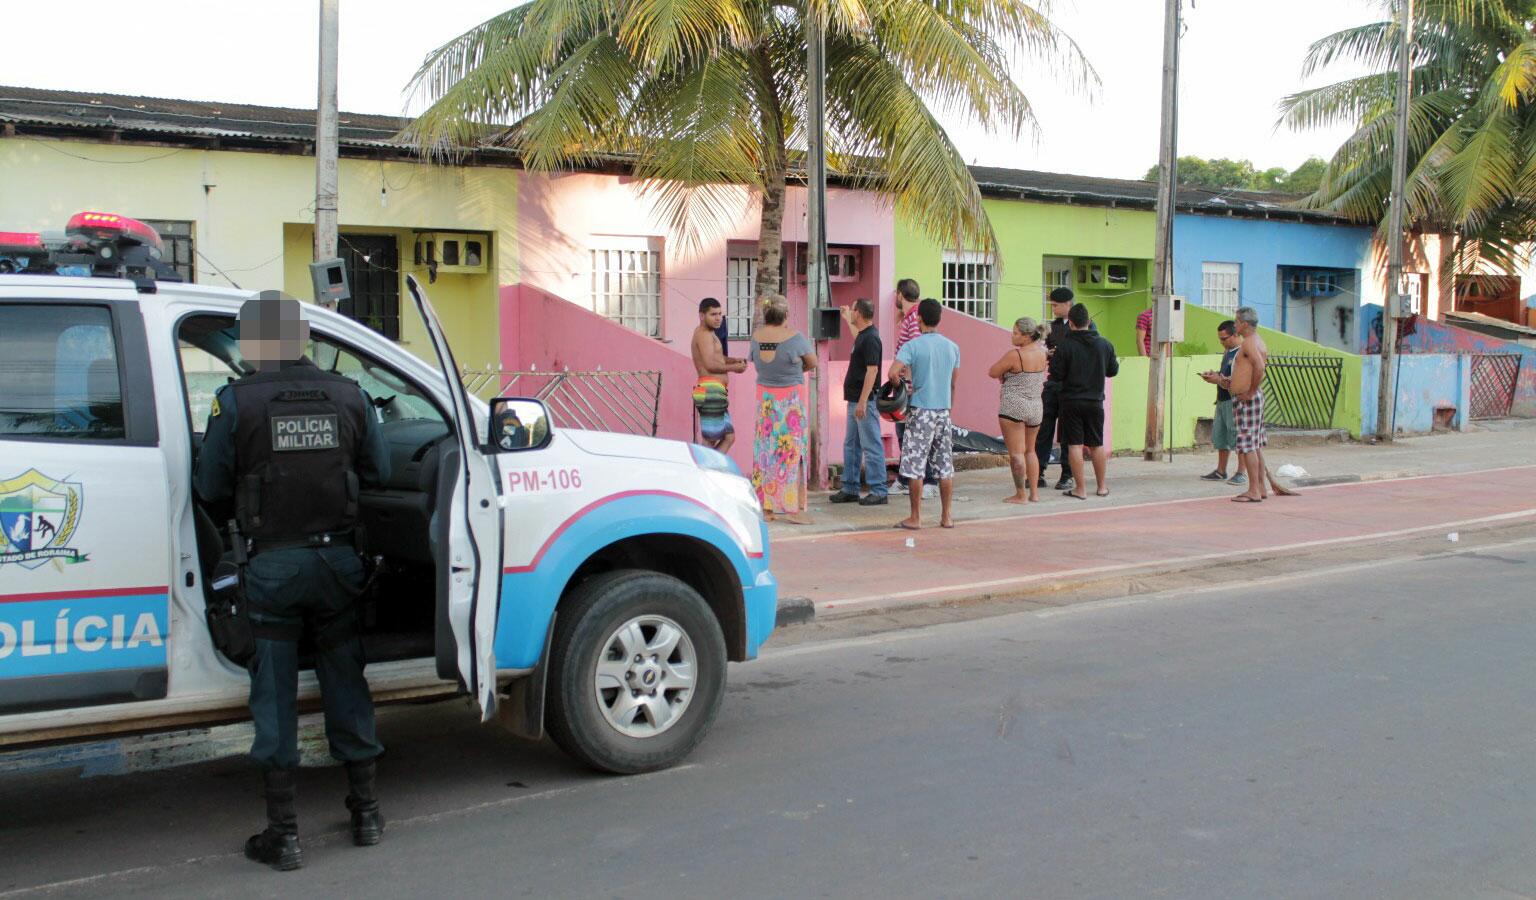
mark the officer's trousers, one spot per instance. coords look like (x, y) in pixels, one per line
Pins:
(1046, 437)
(314, 589)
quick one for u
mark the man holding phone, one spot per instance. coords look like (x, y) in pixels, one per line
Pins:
(1223, 426)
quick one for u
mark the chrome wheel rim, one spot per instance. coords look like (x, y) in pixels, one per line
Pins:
(644, 679)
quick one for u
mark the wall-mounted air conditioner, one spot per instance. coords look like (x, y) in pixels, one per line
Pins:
(1103, 274)
(1313, 284)
(451, 252)
(843, 263)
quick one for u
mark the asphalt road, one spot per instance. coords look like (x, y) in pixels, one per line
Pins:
(1354, 733)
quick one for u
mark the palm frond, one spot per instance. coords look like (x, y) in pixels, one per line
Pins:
(660, 34)
(874, 115)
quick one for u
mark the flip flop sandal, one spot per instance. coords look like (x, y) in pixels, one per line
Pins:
(906, 527)
(1074, 496)
(1244, 498)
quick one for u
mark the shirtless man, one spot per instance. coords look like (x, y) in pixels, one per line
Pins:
(1247, 388)
(710, 397)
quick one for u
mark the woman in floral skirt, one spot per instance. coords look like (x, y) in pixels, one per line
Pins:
(781, 356)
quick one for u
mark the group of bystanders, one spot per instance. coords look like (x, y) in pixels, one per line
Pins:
(1052, 394)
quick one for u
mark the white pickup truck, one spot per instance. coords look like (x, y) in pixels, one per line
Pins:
(587, 585)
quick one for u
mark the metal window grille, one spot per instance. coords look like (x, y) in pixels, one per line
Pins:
(1302, 390)
(624, 402)
(1058, 273)
(969, 284)
(1220, 286)
(1412, 294)
(1493, 384)
(373, 273)
(740, 285)
(626, 287)
(179, 249)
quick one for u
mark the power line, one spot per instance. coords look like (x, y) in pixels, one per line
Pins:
(51, 145)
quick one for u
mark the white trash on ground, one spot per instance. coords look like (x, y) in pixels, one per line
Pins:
(1291, 470)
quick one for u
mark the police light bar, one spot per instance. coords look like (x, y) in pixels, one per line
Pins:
(21, 241)
(111, 226)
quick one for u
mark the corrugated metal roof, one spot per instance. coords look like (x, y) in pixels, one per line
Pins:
(167, 120)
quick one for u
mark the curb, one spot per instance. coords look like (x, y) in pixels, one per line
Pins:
(1321, 480)
(794, 611)
(1056, 593)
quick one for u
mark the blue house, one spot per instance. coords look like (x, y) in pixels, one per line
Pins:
(1306, 273)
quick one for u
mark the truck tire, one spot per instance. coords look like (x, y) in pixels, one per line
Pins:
(637, 672)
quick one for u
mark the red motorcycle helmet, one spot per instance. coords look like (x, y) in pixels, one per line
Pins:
(892, 398)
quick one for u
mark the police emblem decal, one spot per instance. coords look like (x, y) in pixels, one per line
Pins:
(38, 517)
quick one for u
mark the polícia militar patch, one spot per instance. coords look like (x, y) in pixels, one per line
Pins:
(308, 432)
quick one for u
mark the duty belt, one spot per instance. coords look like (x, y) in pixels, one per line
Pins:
(313, 542)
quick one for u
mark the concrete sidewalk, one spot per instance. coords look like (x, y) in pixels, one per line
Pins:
(1494, 444)
(853, 561)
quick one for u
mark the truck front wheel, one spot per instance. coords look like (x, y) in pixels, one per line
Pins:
(637, 672)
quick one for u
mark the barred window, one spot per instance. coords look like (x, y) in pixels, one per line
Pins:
(179, 250)
(740, 286)
(626, 287)
(970, 284)
(1220, 286)
(1057, 273)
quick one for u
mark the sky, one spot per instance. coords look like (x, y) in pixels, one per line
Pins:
(1239, 57)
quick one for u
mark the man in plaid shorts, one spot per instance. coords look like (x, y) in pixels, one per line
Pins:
(1248, 404)
(931, 362)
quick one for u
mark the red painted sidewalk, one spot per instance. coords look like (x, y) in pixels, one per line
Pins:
(872, 569)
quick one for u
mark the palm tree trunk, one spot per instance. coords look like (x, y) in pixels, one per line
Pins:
(1445, 275)
(770, 234)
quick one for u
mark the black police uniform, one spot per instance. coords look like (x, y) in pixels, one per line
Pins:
(291, 447)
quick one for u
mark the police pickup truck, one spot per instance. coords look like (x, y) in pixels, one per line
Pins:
(587, 585)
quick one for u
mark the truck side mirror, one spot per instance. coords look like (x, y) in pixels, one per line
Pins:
(518, 423)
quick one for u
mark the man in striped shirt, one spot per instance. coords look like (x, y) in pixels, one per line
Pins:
(907, 327)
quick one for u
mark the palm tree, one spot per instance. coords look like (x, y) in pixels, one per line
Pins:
(1472, 127)
(697, 94)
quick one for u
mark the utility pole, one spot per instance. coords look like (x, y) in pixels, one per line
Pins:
(1386, 394)
(1162, 263)
(325, 136)
(818, 290)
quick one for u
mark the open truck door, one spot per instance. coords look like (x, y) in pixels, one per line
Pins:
(467, 537)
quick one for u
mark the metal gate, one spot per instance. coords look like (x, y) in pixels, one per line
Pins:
(623, 402)
(1301, 391)
(1493, 384)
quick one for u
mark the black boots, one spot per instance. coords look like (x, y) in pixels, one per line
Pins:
(363, 802)
(278, 846)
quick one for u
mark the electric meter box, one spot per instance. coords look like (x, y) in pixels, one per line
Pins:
(331, 283)
(1169, 320)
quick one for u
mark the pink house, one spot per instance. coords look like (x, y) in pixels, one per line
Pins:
(607, 283)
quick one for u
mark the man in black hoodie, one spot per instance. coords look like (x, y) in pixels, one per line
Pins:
(1061, 304)
(1080, 365)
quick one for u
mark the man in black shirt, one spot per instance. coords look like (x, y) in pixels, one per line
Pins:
(1081, 363)
(862, 450)
(1061, 303)
(1223, 427)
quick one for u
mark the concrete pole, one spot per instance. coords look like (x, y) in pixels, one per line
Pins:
(818, 290)
(1386, 394)
(325, 136)
(1162, 263)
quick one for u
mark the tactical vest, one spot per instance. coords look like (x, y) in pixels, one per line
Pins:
(297, 434)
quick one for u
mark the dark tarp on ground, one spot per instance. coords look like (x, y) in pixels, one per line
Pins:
(967, 441)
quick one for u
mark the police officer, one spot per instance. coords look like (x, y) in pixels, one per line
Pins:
(290, 445)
